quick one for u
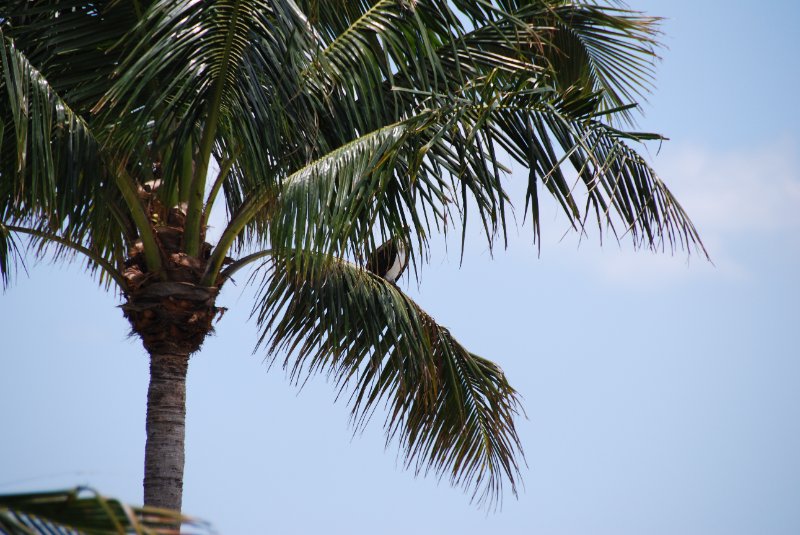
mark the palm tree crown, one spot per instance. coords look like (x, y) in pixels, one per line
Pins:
(330, 127)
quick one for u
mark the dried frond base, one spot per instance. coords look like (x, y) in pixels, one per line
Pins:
(172, 313)
(172, 317)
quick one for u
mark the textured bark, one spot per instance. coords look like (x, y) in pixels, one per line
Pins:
(172, 314)
(166, 417)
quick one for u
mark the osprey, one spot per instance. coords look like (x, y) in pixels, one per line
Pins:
(388, 261)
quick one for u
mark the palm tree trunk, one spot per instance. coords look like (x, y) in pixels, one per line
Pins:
(166, 423)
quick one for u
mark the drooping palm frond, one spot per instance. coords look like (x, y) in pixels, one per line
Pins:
(451, 411)
(83, 511)
(10, 256)
(54, 178)
(498, 92)
(339, 190)
(333, 204)
(391, 180)
(293, 213)
(399, 177)
(619, 188)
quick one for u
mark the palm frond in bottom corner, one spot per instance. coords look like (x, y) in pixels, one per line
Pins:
(84, 511)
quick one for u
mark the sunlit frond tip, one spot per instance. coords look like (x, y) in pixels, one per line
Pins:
(450, 411)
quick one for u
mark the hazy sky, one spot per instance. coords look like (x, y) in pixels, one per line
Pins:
(662, 395)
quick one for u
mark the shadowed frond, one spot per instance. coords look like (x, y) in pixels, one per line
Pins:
(74, 43)
(451, 411)
(54, 181)
(10, 255)
(46, 147)
(84, 511)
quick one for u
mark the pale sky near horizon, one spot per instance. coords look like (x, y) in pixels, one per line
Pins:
(662, 394)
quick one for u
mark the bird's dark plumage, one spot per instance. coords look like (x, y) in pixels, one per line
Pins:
(388, 261)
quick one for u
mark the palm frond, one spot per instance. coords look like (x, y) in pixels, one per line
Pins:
(378, 37)
(618, 185)
(396, 180)
(451, 411)
(605, 50)
(84, 511)
(54, 178)
(506, 57)
(392, 182)
(42, 241)
(74, 43)
(334, 203)
(182, 75)
(10, 256)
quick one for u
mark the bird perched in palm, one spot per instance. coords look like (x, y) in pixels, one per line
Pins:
(388, 261)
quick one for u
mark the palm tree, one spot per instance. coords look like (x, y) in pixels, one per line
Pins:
(326, 129)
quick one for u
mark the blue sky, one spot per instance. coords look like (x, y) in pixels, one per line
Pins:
(661, 393)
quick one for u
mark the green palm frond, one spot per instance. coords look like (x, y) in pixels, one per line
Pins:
(83, 511)
(377, 37)
(74, 43)
(334, 203)
(183, 72)
(34, 116)
(389, 181)
(451, 411)
(604, 50)
(54, 178)
(10, 256)
(309, 209)
(344, 188)
(401, 177)
(618, 186)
